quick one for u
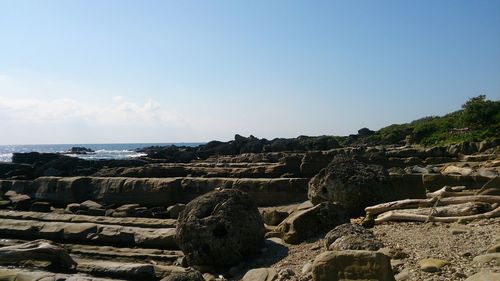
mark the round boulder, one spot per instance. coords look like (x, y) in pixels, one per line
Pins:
(220, 228)
(351, 237)
(352, 183)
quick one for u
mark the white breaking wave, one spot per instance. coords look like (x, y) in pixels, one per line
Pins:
(102, 151)
(109, 154)
(5, 157)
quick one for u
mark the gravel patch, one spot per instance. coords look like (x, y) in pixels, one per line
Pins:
(454, 243)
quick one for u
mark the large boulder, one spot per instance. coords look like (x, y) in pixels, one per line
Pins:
(352, 265)
(311, 222)
(220, 228)
(352, 183)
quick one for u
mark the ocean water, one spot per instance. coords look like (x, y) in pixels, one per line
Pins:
(102, 151)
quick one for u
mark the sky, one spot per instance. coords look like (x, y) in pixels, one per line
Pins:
(192, 71)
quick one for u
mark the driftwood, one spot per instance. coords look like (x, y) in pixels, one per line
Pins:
(421, 203)
(36, 251)
(456, 210)
(451, 192)
(401, 216)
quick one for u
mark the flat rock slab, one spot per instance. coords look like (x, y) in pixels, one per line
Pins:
(126, 221)
(20, 274)
(89, 233)
(132, 254)
(156, 191)
(117, 269)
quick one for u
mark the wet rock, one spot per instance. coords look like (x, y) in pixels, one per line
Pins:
(304, 224)
(351, 237)
(220, 228)
(352, 265)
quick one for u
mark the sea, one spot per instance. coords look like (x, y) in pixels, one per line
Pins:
(102, 151)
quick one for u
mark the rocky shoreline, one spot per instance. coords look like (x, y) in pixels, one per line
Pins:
(123, 219)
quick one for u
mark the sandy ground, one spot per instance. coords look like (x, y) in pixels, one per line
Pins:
(456, 244)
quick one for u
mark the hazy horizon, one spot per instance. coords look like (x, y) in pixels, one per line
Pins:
(101, 72)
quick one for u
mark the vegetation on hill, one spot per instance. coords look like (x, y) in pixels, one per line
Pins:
(477, 120)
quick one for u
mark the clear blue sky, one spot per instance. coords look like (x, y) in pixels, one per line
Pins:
(164, 71)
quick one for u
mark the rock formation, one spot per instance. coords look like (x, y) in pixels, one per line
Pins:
(220, 228)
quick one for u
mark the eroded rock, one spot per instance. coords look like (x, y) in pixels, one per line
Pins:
(351, 183)
(220, 228)
(304, 224)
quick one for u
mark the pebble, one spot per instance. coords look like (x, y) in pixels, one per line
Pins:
(307, 268)
(403, 275)
(431, 265)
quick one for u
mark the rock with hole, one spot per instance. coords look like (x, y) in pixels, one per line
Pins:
(220, 228)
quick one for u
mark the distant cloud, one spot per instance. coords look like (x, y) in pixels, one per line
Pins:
(118, 111)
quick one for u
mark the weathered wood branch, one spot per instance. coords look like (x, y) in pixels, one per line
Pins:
(421, 203)
(455, 210)
(401, 216)
(38, 251)
(448, 191)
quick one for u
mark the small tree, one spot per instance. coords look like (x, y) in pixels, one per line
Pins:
(479, 112)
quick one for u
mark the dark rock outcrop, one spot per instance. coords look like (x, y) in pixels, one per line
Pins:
(351, 183)
(79, 150)
(220, 228)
